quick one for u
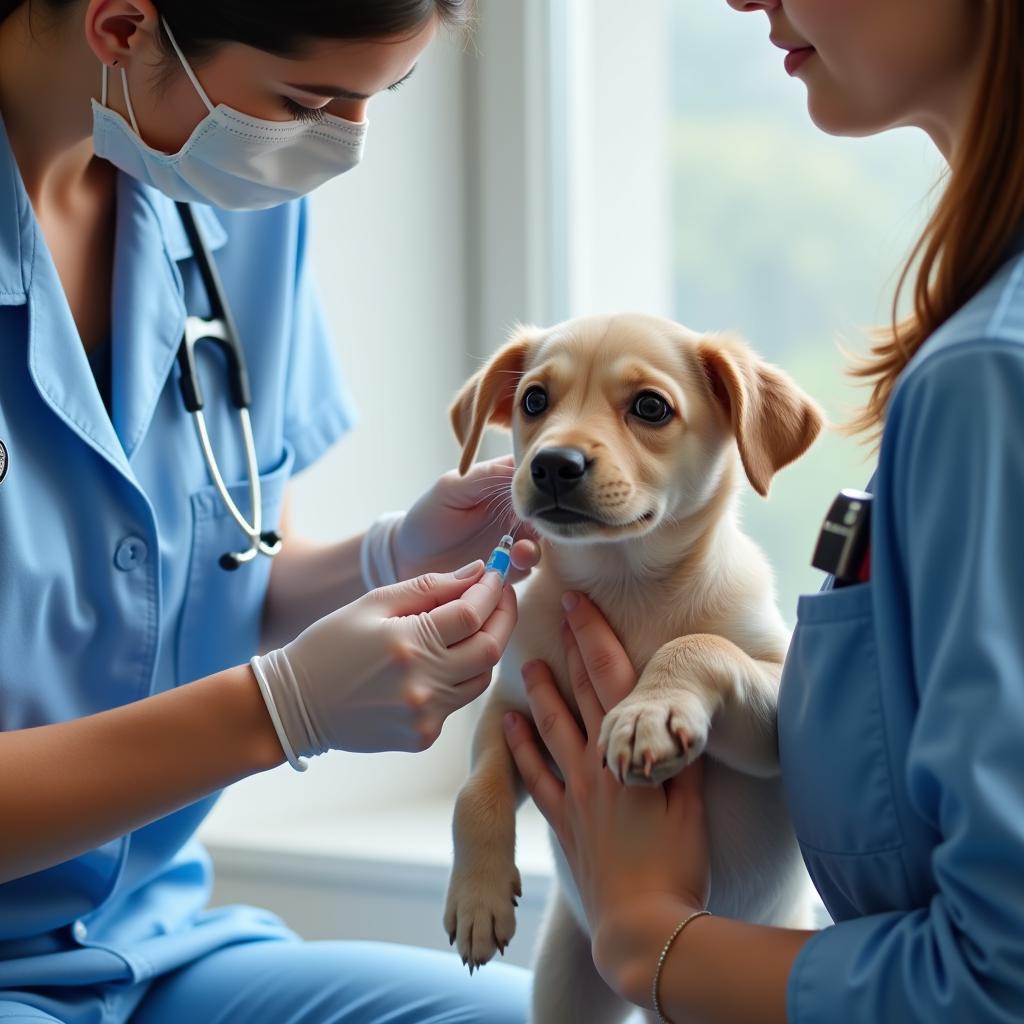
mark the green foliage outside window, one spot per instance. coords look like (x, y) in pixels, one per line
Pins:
(790, 237)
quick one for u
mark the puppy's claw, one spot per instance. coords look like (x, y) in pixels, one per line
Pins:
(648, 763)
(684, 740)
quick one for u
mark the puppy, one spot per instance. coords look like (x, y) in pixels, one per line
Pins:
(631, 434)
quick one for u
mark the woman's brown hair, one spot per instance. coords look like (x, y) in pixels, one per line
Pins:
(981, 210)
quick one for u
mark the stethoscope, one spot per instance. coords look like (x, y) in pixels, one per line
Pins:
(221, 331)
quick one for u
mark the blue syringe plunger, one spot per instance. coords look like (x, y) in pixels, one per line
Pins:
(501, 557)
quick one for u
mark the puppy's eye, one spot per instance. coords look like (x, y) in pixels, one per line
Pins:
(651, 408)
(535, 401)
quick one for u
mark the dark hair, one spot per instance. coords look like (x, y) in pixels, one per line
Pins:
(285, 28)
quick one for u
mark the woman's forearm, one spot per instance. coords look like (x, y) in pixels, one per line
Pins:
(307, 582)
(717, 971)
(70, 787)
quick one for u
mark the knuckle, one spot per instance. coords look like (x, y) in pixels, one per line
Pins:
(547, 723)
(603, 662)
(490, 651)
(435, 580)
(415, 697)
(401, 654)
(580, 678)
(427, 583)
(480, 683)
(428, 733)
(469, 619)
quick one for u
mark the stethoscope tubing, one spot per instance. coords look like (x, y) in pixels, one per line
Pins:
(220, 330)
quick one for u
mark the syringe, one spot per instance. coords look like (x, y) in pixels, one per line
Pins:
(501, 558)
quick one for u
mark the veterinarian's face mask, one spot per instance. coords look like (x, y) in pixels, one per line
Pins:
(231, 160)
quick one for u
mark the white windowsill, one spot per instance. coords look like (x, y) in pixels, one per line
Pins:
(411, 835)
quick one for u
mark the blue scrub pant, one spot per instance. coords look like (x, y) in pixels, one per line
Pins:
(282, 982)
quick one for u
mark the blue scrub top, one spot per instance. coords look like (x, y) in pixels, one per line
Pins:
(110, 535)
(901, 716)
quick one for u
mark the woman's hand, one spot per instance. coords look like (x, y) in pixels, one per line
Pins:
(384, 672)
(461, 518)
(635, 852)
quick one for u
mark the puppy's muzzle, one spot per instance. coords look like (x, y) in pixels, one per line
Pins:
(557, 471)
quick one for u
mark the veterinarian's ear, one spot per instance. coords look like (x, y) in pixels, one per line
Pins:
(486, 398)
(773, 420)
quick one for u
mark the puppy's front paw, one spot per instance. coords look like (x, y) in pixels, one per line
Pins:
(649, 738)
(480, 913)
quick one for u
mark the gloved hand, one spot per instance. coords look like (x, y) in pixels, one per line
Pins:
(459, 518)
(384, 672)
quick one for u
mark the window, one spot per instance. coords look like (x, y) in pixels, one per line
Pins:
(710, 197)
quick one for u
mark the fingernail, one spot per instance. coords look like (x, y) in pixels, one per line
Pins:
(570, 600)
(468, 570)
(510, 721)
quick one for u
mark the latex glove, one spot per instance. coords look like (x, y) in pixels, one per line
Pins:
(461, 518)
(384, 672)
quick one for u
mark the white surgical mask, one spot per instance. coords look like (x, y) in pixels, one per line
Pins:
(231, 160)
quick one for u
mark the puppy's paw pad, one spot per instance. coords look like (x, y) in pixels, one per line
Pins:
(648, 740)
(480, 917)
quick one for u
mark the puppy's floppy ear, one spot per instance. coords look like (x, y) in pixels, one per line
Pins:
(773, 420)
(487, 397)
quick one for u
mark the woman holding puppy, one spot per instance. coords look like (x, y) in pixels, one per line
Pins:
(902, 701)
(132, 562)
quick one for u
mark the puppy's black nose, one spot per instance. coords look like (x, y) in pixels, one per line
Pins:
(557, 470)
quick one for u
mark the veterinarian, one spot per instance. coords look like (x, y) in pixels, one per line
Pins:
(127, 570)
(902, 702)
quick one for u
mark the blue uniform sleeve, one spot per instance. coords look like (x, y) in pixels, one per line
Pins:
(318, 406)
(956, 452)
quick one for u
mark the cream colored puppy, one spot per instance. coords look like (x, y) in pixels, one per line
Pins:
(631, 436)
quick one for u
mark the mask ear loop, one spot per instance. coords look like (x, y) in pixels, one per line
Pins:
(188, 69)
(128, 102)
(124, 82)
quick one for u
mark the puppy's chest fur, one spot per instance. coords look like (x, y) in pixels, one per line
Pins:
(645, 615)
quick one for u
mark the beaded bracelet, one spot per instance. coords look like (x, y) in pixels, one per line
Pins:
(664, 953)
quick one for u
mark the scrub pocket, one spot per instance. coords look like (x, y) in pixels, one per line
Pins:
(223, 609)
(835, 756)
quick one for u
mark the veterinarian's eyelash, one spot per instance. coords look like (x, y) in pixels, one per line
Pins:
(314, 115)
